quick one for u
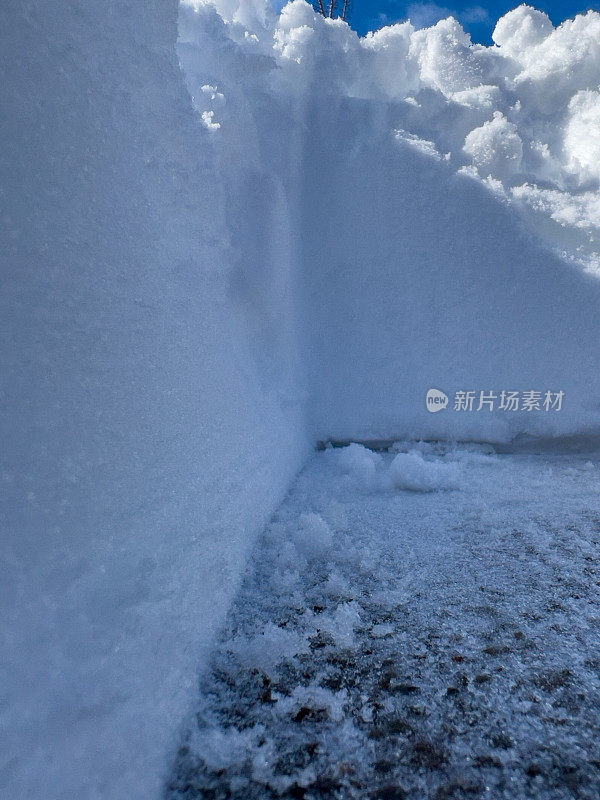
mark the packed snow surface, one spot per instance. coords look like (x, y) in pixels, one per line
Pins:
(442, 644)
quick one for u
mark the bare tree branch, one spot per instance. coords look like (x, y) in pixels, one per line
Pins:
(331, 9)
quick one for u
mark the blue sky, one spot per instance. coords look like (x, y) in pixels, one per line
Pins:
(478, 19)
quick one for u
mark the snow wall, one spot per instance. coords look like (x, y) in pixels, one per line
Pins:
(207, 269)
(151, 415)
(445, 205)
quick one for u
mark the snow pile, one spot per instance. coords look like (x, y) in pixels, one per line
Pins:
(428, 192)
(523, 111)
(358, 462)
(411, 471)
(408, 470)
(456, 287)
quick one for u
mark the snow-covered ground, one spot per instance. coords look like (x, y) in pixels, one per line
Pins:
(431, 642)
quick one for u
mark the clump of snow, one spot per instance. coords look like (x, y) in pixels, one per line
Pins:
(315, 698)
(520, 30)
(209, 122)
(341, 624)
(208, 99)
(582, 136)
(423, 145)
(227, 748)
(446, 61)
(411, 471)
(336, 585)
(495, 146)
(313, 537)
(288, 555)
(357, 461)
(381, 629)
(469, 458)
(485, 97)
(269, 648)
(284, 582)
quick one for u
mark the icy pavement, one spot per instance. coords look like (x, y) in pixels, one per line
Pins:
(433, 642)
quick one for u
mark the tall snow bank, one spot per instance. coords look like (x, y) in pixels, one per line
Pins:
(150, 396)
(445, 209)
(444, 206)
(423, 278)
